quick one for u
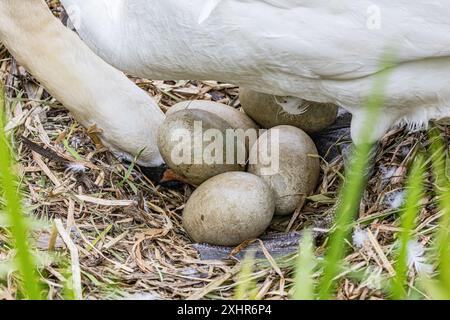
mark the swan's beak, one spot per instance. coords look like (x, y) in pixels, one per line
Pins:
(170, 175)
(164, 176)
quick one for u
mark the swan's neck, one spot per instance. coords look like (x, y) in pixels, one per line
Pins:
(96, 93)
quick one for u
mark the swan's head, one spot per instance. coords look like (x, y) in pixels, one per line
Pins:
(163, 176)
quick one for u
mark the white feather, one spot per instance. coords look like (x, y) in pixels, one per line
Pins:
(416, 259)
(374, 278)
(292, 105)
(76, 167)
(387, 172)
(141, 296)
(395, 199)
(360, 237)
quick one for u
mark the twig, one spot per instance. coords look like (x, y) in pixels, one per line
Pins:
(214, 285)
(46, 153)
(76, 273)
(386, 264)
(53, 237)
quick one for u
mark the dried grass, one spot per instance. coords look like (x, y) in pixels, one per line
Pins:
(130, 239)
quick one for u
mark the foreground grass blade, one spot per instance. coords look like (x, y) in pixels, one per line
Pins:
(443, 244)
(304, 282)
(409, 214)
(8, 189)
(352, 191)
(346, 213)
(246, 286)
(442, 184)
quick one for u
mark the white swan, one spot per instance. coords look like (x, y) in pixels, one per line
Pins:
(324, 51)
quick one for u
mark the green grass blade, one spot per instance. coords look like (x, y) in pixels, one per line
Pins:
(409, 215)
(442, 184)
(246, 287)
(304, 282)
(13, 209)
(352, 190)
(443, 241)
(346, 213)
(130, 169)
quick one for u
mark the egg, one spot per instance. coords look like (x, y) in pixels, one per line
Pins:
(235, 118)
(238, 120)
(196, 145)
(286, 158)
(265, 110)
(444, 121)
(228, 209)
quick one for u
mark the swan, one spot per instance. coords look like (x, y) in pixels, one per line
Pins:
(317, 50)
(124, 117)
(314, 50)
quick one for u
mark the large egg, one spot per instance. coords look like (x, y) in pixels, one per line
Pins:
(266, 110)
(195, 144)
(286, 158)
(247, 130)
(235, 118)
(229, 209)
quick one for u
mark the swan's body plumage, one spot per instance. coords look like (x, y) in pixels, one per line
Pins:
(324, 51)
